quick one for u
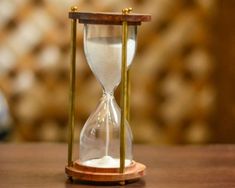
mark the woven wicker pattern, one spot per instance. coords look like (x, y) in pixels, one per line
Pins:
(172, 90)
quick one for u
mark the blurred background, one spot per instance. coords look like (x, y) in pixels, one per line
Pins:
(183, 74)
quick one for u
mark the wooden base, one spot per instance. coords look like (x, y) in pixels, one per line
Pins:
(92, 174)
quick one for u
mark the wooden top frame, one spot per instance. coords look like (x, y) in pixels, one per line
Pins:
(109, 18)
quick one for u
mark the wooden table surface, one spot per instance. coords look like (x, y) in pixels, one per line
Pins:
(42, 166)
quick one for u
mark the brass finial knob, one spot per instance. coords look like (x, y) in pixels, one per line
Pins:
(126, 10)
(74, 8)
(130, 9)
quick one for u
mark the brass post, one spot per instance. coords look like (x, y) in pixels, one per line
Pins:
(123, 90)
(72, 89)
(128, 106)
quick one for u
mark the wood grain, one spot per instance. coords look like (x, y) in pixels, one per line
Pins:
(42, 166)
(112, 175)
(109, 18)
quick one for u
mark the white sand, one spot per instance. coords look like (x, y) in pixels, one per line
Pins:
(106, 162)
(104, 56)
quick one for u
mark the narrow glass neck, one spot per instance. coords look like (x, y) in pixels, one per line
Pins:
(108, 94)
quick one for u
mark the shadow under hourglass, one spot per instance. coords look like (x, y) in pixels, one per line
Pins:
(138, 183)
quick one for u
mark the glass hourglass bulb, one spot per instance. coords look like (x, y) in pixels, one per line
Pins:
(100, 136)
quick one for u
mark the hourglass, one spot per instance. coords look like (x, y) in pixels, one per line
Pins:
(105, 152)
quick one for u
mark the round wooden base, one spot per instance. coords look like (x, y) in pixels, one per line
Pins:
(92, 174)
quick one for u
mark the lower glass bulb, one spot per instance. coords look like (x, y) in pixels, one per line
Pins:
(100, 136)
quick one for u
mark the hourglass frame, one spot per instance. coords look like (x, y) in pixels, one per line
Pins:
(75, 169)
